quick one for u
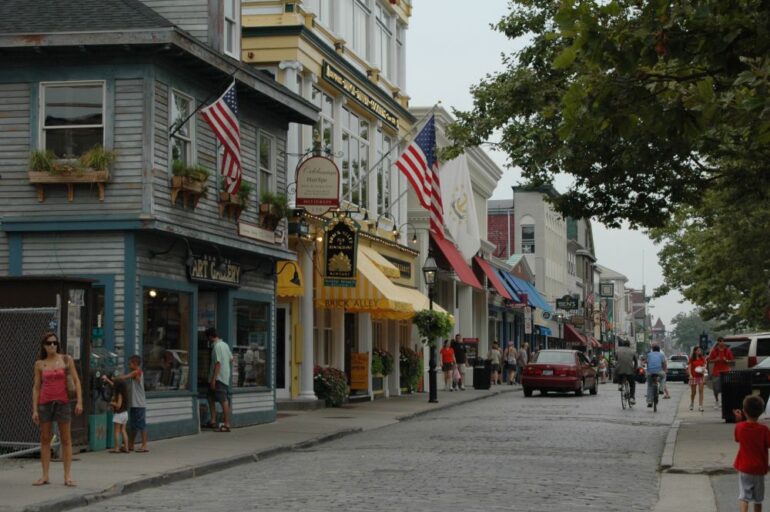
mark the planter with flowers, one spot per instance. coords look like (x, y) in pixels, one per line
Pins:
(190, 181)
(410, 364)
(382, 366)
(92, 168)
(432, 325)
(330, 385)
(231, 205)
(273, 208)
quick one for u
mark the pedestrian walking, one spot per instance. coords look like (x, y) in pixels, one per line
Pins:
(219, 380)
(119, 404)
(602, 368)
(56, 379)
(522, 359)
(447, 364)
(137, 403)
(461, 359)
(510, 356)
(721, 358)
(697, 370)
(751, 462)
(495, 357)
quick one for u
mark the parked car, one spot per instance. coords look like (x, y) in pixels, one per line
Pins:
(684, 358)
(559, 370)
(677, 369)
(748, 349)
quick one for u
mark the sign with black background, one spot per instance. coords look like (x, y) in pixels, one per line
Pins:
(204, 270)
(340, 253)
(567, 303)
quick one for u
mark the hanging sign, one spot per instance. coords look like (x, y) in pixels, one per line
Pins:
(208, 269)
(567, 303)
(318, 185)
(340, 246)
(527, 320)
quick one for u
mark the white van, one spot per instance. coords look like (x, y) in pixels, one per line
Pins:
(748, 349)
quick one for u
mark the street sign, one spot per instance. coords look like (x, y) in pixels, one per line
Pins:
(567, 303)
(607, 289)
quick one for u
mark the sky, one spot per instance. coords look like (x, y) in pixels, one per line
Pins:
(450, 48)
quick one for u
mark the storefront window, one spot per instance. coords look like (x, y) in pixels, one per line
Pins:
(166, 340)
(355, 158)
(385, 157)
(325, 122)
(250, 350)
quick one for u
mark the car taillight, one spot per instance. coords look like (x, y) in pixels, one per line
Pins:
(752, 361)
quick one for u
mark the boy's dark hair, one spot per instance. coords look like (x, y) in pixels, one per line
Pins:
(655, 348)
(753, 406)
(135, 359)
(211, 332)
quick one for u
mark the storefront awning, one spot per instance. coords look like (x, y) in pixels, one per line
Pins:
(386, 267)
(373, 293)
(456, 260)
(290, 282)
(544, 331)
(417, 299)
(534, 298)
(573, 335)
(594, 342)
(494, 279)
(512, 292)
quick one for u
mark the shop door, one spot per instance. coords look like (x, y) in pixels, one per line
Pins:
(350, 340)
(207, 317)
(282, 350)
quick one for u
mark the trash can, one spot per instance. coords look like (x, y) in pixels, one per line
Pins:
(482, 373)
(736, 385)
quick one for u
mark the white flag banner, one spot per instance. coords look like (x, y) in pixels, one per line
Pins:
(460, 218)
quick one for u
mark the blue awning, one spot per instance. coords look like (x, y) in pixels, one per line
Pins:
(545, 331)
(507, 285)
(534, 298)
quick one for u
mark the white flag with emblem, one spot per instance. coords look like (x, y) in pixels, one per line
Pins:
(460, 219)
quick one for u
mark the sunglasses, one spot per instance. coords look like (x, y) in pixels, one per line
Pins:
(51, 343)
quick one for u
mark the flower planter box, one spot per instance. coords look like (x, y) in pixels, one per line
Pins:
(191, 190)
(68, 179)
(230, 205)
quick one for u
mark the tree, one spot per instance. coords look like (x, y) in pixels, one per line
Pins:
(645, 104)
(689, 326)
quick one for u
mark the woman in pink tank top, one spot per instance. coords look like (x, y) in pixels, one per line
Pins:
(50, 402)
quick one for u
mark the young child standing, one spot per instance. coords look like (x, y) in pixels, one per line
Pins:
(137, 403)
(751, 461)
(119, 405)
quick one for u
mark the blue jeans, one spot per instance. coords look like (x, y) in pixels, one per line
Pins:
(661, 376)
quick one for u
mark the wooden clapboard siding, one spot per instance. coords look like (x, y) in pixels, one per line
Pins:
(80, 254)
(162, 410)
(189, 15)
(3, 254)
(252, 402)
(14, 147)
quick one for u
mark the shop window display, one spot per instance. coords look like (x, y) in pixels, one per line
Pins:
(250, 349)
(166, 340)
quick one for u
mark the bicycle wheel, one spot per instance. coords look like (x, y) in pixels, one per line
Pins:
(623, 395)
(655, 396)
(627, 392)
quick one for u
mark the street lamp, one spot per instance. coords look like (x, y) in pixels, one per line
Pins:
(429, 271)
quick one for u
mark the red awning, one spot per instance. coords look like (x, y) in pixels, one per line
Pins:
(455, 259)
(594, 342)
(572, 334)
(493, 278)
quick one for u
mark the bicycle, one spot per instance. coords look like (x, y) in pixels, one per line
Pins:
(655, 392)
(625, 393)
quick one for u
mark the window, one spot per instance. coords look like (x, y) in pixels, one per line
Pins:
(251, 348)
(73, 118)
(400, 68)
(382, 37)
(378, 340)
(232, 29)
(166, 339)
(404, 333)
(384, 146)
(266, 163)
(355, 158)
(322, 9)
(324, 127)
(322, 338)
(571, 263)
(763, 347)
(354, 16)
(181, 141)
(528, 239)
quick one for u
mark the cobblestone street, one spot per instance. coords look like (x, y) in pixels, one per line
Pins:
(550, 453)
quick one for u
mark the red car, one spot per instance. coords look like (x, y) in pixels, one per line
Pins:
(559, 370)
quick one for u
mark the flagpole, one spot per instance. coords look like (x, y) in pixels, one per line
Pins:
(396, 145)
(178, 126)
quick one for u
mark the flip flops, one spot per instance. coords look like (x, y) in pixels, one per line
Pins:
(223, 428)
(142, 450)
(40, 481)
(70, 483)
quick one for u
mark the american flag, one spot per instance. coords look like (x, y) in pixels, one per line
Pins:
(222, 116)
(419, 164)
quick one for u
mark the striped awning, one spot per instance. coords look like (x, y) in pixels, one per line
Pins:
(386, 267)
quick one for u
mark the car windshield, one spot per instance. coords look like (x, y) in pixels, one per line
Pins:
(554, 357)
(677, 364)
(682, 359)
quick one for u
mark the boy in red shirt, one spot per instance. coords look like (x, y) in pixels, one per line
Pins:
(720, 357)
(751, 461)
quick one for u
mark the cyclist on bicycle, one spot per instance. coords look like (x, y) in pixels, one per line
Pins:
(656, 365)
(625, 367)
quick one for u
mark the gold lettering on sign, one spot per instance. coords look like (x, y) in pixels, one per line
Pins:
(338, 79)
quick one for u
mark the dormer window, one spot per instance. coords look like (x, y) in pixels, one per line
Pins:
(232, 28)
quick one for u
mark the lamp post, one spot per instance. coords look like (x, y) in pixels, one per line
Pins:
(429, 270)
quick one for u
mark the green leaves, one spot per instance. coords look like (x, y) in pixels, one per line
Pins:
(565, 58)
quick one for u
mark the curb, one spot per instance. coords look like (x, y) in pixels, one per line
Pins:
(708, 471)
(220, 464)
(667, 457)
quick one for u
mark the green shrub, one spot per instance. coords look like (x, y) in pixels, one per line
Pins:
(432, 324)
(410, 364)
(97, 158)
(330, 385)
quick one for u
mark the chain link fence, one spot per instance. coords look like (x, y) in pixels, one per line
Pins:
(20, 333)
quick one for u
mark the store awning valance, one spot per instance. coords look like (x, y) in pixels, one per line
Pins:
(534, 298)
(456, 261)
(417, 299)
(373, 293)
(290, 282)
(494, 279)
(386, 267)
(573, 335)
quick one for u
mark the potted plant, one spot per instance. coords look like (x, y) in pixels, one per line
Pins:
(330, 385)
(91, 168)
(190, 181)
(410, 364)
(432, 324)
(273, 208)
(234, 204)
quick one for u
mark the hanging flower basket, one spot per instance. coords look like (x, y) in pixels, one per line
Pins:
(432, 324)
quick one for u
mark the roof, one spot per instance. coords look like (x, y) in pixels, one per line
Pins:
(56, 16)
(608, 274)
(659, 324)
(514, 259)
(499, 204)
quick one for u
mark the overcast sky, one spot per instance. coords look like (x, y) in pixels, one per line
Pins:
(450, 47)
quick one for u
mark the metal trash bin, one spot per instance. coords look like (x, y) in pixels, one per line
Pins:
(736, 385)
(482, 374)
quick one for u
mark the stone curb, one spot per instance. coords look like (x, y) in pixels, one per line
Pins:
(708, 471)
(221, 464)
(667, 457)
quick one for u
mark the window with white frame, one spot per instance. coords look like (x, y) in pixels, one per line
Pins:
(266, 163)
(325, 124)
(400, 71)
(378, 339)
(322, 338)
(73, 117)
(384, 145)
(355, 158)
(232, 28)
(382, 37)
(353, 20)
(322, 9)
(182, 126)
(528, 239)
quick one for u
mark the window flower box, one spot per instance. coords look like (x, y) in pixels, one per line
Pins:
(92, 168)
(192, 190)
(230, 205)
(69, 179)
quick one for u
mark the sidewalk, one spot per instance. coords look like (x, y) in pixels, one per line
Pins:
(700, 446)
(102, 475)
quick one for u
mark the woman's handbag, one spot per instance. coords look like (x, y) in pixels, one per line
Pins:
(72, 391)
(456, 374)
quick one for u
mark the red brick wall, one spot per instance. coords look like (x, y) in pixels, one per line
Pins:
(498, 234)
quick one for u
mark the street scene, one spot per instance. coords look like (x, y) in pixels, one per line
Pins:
(384, 254)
